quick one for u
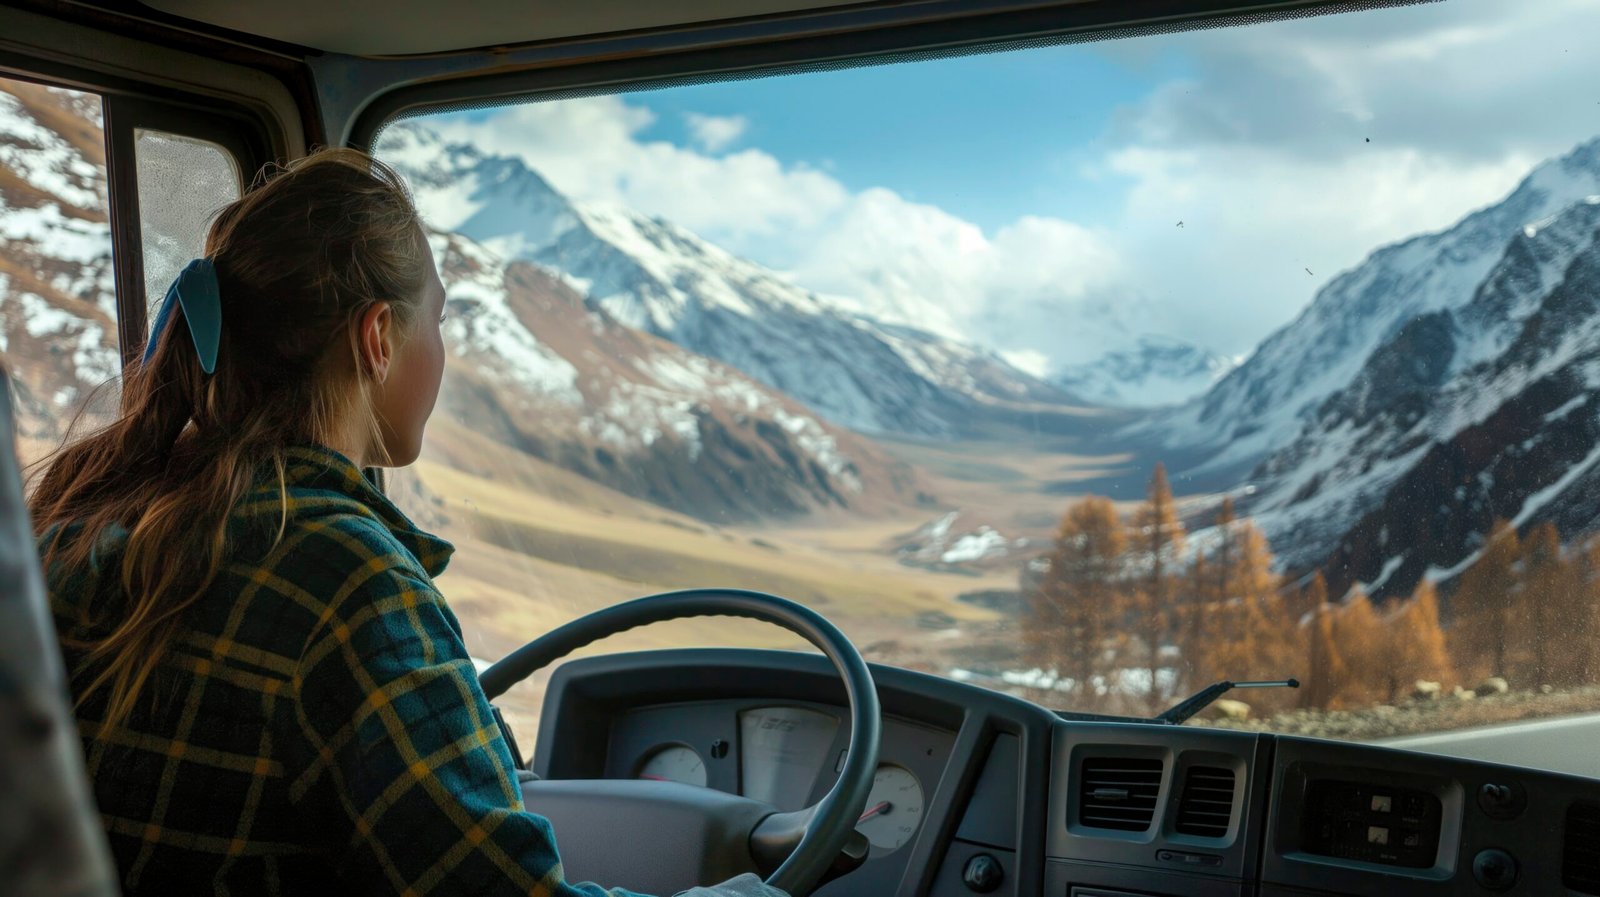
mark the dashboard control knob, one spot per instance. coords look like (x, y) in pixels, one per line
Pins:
(1501, 801)
(1494, 869)
(983, 873)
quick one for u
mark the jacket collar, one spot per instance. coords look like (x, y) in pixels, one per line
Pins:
(319, 467)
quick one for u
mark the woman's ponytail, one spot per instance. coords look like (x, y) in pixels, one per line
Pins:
(292, 260)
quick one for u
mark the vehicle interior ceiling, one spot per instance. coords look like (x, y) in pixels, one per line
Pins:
(1008, 797)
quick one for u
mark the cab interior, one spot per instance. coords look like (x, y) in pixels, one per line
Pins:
(992, 794)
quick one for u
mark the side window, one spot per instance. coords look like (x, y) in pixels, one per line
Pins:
(182, 182)
(58, 334)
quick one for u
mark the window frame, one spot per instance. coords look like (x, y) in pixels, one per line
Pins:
(124, 116)
(360, 96)
(124, 110)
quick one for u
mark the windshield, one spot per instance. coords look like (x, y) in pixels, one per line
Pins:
(1093, 373)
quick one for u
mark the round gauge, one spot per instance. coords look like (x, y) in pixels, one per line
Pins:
(893, 809)
(675, 763)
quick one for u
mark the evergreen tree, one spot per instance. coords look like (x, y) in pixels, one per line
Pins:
(1158, 537)
(1071, 611)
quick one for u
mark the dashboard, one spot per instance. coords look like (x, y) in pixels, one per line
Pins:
(980, 793)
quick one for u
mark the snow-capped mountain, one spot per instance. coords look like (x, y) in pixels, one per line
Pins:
(1261, 406)
(531, 365)
(1487, 411)
(1156, 371)
(57, 314)
(1473, 402)
(659, 278)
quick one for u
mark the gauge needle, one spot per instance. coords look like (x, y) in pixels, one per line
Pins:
(878, 810)
(646, 775)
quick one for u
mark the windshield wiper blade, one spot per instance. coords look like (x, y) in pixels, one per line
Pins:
(1202, 699)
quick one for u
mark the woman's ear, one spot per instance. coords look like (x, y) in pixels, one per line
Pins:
(375, 339)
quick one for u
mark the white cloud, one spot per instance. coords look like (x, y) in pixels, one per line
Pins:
(1303, 145)
(593, 149)
(1263, 230)
(715, 133)
(1261, 149)
(873, 249)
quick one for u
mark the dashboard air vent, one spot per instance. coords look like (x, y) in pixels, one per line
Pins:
(1580, 866)
(1117, 793)
(1207, 802)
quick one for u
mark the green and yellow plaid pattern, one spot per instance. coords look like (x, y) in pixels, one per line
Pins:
(320, 728)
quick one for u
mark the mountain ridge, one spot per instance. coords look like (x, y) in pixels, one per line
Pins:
(646, 272)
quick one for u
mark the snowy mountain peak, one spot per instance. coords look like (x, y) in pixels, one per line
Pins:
(1261, 406)
(1155, 371)
(658, 277)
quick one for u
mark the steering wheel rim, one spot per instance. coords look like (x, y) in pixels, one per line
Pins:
(834, 818)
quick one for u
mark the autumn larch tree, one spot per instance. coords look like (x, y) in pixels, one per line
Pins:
(1414, 645)
(1360, 634)
(1211, 582)
(1545, 595)
(1581, 665)
(1157, 538)
(1070, 613)
(1481, 608)
(1325, 667)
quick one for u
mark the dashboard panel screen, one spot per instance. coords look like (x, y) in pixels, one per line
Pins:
(782, 751)
(1372, 823)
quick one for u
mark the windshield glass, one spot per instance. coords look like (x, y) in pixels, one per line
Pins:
(1093, 373)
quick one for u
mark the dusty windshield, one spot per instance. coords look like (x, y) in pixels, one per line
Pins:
(1093, 374)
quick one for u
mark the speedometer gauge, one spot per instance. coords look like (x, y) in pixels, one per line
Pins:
(675, 763)
(894, 809)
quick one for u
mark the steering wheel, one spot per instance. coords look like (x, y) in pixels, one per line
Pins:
(804, 846)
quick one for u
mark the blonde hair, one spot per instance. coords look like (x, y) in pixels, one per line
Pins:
(299, 258)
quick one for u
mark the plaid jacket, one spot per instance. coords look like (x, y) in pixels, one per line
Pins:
(320, 728)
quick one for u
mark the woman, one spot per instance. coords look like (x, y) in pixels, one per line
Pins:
(272, 695)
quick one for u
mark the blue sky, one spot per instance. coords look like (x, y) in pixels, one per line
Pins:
(1030, 200)
(1027, 121)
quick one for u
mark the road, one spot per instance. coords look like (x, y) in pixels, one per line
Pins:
(1568, 744)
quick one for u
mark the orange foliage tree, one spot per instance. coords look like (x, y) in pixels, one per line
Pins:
(1413, 646)
(1070, 613)
(1157, 538)
(1325, 667)
(1481, 608)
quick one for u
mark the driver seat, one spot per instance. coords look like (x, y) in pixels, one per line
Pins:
(51, 840)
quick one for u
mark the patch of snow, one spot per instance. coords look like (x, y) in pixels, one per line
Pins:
(1532, 504)
(1389, 568)
(976, 546)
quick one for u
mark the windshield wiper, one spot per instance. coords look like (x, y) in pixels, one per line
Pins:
(1202, 699)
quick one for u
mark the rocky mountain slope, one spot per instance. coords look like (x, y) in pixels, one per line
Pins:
(1489, 411)
(57, 315)
(634, 411)
(650, 274)
(589, 393)
(1445, 383)
(1263, 404)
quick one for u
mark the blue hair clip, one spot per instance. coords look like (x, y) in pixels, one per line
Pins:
(196, 291)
